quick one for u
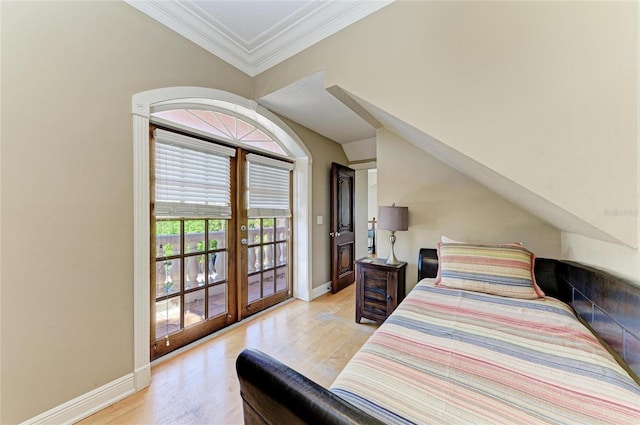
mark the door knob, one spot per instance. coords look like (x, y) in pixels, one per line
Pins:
(244, 241)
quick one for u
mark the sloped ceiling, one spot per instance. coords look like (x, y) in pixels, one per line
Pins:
(508, 189)
(308, 103)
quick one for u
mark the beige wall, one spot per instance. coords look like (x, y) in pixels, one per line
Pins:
(543, 93)
(616, 259)
(323, 151)
(69, 70)
(443, 201)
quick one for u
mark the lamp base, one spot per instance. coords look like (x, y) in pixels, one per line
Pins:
(392, 256)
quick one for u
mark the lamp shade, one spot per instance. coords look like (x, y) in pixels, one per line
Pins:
(393, 218)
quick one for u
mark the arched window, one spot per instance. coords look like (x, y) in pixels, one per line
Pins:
(224, 126)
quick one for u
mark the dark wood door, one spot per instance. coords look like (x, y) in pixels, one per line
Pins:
(342, 227)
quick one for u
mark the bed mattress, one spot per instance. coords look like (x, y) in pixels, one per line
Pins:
(457, 357)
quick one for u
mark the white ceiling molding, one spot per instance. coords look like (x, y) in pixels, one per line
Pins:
(271, 31)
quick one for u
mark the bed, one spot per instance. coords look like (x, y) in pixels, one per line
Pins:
(449, 355)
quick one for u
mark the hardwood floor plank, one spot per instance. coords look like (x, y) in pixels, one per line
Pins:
(199, 386)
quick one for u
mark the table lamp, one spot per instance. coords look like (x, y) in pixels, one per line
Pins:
(393, 219)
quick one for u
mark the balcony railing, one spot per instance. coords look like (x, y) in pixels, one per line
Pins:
(260, 257)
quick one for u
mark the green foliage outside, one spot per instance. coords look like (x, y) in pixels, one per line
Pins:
(254, 223)
(172, 227)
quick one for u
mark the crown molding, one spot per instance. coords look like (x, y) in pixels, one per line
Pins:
(183, 21)
(299, 31)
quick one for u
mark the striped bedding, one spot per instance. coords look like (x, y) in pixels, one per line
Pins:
(457, 357)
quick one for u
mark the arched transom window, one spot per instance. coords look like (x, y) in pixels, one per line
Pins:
(222, 126)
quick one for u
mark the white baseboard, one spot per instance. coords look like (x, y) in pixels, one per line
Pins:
(320, 290)
(108, 394)
(87, 404)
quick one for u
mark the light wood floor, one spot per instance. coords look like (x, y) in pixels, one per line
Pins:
(200, 386)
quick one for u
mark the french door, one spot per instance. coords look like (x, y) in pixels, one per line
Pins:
(214, 261)
(265, 232)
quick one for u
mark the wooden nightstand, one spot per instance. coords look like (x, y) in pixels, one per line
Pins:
(380, 288)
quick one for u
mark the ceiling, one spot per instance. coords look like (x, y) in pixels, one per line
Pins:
(254, 36)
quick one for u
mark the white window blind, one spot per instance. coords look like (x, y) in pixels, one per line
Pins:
(193, 177)
(268, 187)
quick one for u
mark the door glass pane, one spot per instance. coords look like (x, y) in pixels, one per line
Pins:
(167, 280)
(194, 271)
(268, 229)
(281, 278)
(254, 287)
(267, 256)
(217, 234)
(193, 307)
(254, 260)
(254, 231)
(167, 238)
(267, 283)
(168, 277)
(281, 229)
(281, 253)
(217, 267)
(167, 317)
(217, 300)
(193, 236)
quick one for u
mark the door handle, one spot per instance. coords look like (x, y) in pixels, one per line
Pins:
(244, 241)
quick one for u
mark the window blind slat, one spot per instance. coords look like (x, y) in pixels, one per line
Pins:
(268, 187)
(172, 139)
(193, 177)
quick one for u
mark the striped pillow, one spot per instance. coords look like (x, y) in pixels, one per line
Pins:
(505, 270)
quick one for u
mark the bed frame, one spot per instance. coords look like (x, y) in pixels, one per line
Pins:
(273, 393)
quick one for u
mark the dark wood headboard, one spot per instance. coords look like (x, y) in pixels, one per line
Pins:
(609, 305)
